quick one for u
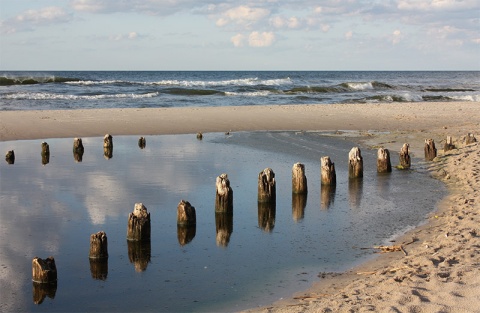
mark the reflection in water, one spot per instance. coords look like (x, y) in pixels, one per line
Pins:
(78, 149)
(224, 227)
(327, 196)
(108, 152)
(355, 191)
(78, 155)
(186, 233)
(42, 290)
(266, 215)
(99, 268)
(299, 202)
(139, 253)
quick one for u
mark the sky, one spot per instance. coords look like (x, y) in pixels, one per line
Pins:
(240, 35)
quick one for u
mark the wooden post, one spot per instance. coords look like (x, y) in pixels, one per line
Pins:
(138, 228)
(405, 161)
(329, 176)
(224, 227)
(186, 213)
(142, 142)
(266, 186)
(355, 163)
(224, 194)
(266, 215)
(45, 153)
(78, 149)
(139, 254)
(44, 271)
(430, 150)
(383, 161)
(470, 139)
(299, 180)
(448, 144)
(199, 136)
(108, 141)
(10, 157)
(185, 233)
(98, 245)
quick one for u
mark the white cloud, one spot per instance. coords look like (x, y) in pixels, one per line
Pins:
(30, 18)
(264, 39)
(396, 36)
(436, 4)
(349, 35)
(128, 36)
(242, 15)
(238, 40)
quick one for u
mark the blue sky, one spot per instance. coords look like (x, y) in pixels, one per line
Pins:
(240, 35)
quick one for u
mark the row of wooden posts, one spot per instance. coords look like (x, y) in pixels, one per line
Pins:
(138, 227)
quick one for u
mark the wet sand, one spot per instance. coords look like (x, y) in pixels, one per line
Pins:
(439, 267)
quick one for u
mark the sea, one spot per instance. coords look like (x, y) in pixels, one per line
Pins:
(150, 89)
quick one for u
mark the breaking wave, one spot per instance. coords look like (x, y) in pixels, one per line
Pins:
(52, 96)
(30, 80)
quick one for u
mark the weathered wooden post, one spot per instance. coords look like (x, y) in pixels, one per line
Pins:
(224, 194)
(78, 149)
(44, 271)
(383, 161)
(138, 228)
(139, 254)
(299, 202)
(199, 136)
(108, 146)
(266, 215)
(10, 157)
(404, 156)
(142, 142)
(355, 163)
(98, 246)
(448, 144)
(299, 180)
(430, 150)
(224, 227)
(45, 153)
(186, 213)
(266, 186)
(329, 177)
(186, 233)
(470, 138)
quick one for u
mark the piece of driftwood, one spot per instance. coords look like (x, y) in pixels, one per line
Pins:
(78, 149)
(266, 186)
(430, 150)
(45, 153)
(470, 138)
(10, 157)
(224, 194)
(393, 248)
(355, 163)
(383, 161)
(142, 142)
(186, 213)
(224, 228)
(328, 176)
(299, 180)
(138, 228)
(44, 271)
(139, 254)
(448, 144)
(98, 245)
(186, 233)
(41, 291)
(327, 196)
(299, 202)
(404, 156)
(266, 215)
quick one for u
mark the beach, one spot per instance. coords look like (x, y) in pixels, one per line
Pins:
(438, 268)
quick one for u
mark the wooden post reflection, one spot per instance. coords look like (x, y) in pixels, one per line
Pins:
(327, 196)
(224, 227)
(44, 277)
(299, 202)
(139, 253)
(78, 149)
(266, 215)
(186, 233)
(99, 268)
(355, 190)
(98, 255)
(41, 291)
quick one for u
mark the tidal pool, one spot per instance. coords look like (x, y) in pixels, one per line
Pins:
(51, 209)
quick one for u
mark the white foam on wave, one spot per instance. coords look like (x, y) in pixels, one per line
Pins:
(261, 93)
(360, 86)
(52, 96)
(472, 98)
(93, 82)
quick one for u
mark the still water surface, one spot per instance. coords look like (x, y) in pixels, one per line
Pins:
(53, 209)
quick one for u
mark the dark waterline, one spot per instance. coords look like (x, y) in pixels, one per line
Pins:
(52, 209)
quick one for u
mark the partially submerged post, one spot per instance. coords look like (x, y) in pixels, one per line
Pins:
(299, 180)
(98, 246)
(186, 213)
(199, 136)
(224, 194)
(138, 228)
(266, 186)
(78, 149)
(405, 160)
(383, 161)
(448, 144)
(470, 138)
(45, 153)
(430, 150)
(44, 271)
(10, 157)
(142, 142)
(355, 163)
(108, 146)
(329, 176)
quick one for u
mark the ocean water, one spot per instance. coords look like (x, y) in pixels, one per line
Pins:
(116, 89)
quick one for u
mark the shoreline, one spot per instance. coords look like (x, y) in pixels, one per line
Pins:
(440, 270)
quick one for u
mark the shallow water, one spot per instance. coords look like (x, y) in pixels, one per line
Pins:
(52, 209)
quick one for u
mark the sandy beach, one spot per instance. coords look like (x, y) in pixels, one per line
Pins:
(439, 266)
